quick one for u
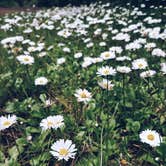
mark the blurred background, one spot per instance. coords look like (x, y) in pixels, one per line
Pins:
(50, 3)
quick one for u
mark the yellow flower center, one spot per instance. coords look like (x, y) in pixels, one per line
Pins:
(107, 54)
(26, 59)
(106, 72)
(83, 95)
(7, 123)
(49, 124)
(63, 152)
(150, 137)
(140, 65)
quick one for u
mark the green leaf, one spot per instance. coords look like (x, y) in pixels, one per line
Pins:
(13, 152)
(2, 157)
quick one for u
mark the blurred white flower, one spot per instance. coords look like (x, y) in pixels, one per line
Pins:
(148, 73)
(53, 122)
(139, 64)
(83, 95)
(123, 58)
(78, 55)
(102, 44)
(61, 61)
(41, 81)
(66, 49)
(158, 52)
(41, 54)
(25, 59)
(6, 122)
(106, 84)
(123, 69)
(107, 55)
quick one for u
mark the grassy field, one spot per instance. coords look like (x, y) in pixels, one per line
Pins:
(83, 86)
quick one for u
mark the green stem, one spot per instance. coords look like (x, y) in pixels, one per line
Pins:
(101, 147)
(123, 89)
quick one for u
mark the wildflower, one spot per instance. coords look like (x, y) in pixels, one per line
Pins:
(25, 59)
(150, 137)
(62, 149)
(78, 55)
(6, 122)
(105, 71)
(107, 55)
(41, 81)
(61, 61)
(83, 95)
(106, 84)
(148, 73)
(158, 52)
(139, 64)
(123, 69)
(53, 122)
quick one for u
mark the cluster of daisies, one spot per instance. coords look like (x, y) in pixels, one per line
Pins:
(61, 149)
(65, 149)
(88, 24)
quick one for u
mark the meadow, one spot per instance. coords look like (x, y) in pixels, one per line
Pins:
(83, 86)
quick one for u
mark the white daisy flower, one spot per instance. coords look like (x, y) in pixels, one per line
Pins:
(61, 61)
(150, 137)
(78, 55)
(148, 73)
(6, 122)
(102, 44)
(83, 95)
(25, 59)
(123, 69)
(139, 64)
(41, 81)
(62, 149)
(105, 71)
(66, 49)
(107, 55)
(106, 84)
(53, 122)
(123, 58)
(158, 52)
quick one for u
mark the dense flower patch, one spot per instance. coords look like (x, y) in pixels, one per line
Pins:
(83, 86)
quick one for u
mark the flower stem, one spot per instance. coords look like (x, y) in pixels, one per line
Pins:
(101, 147)
(123, 90)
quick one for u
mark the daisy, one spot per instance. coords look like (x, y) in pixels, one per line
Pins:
(107, 55)
(53, 122)
(123, 69)
(158, 52)
(148, 73)
(41, 81)
(123, 58)
(62, 149)
(25, 59)
(78, 55)
(105, 71)
(83, 95)
(61, 61)
(106, 84)
(6, 122)
(139, 64)
(150, 137)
